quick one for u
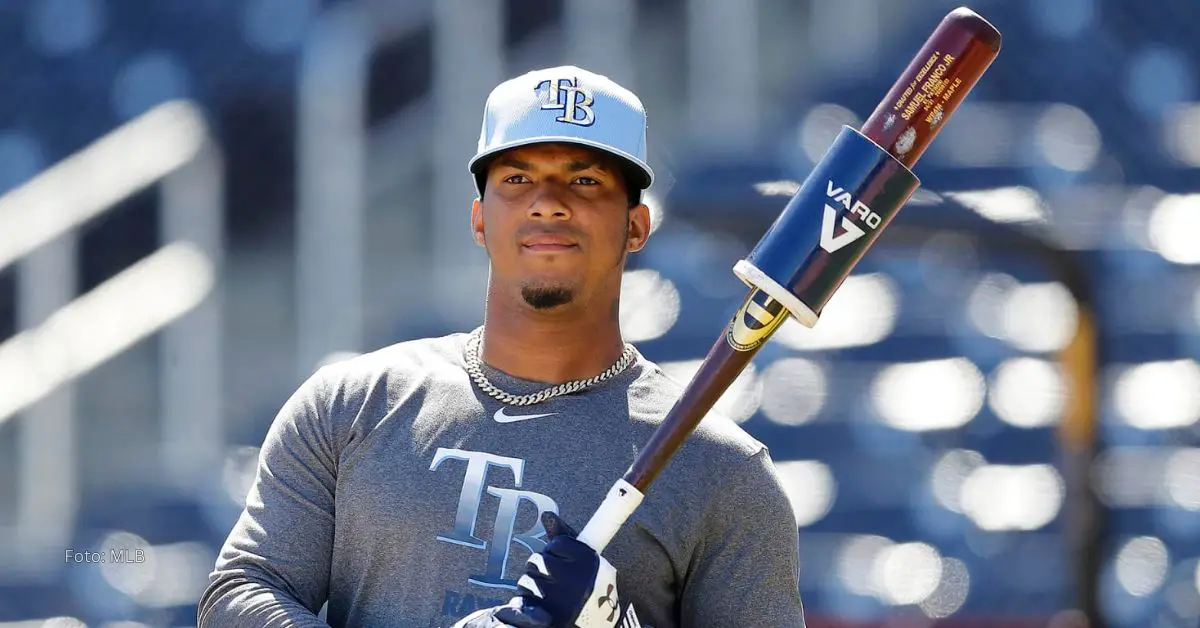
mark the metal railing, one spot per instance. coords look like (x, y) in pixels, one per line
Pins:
(61, 336)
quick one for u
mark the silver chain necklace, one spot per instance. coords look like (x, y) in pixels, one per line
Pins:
(474, 361)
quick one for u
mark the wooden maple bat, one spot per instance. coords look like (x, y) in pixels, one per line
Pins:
(848, 199)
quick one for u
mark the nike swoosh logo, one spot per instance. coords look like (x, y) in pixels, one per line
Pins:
(511, 418)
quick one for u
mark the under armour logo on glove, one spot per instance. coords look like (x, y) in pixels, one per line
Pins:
(610, 599)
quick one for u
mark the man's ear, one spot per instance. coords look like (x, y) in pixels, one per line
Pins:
(477, 222)
(639, 228)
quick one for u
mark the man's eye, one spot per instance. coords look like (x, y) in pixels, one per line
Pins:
(515, 178)
(587, 181)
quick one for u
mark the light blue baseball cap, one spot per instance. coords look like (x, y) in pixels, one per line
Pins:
(565, 104)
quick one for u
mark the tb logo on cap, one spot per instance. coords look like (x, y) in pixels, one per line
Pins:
(567, 96)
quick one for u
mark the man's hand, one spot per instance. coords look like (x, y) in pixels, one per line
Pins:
(515, 614)
(566, 585)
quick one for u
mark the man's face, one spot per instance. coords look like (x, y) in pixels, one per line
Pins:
(556, 222)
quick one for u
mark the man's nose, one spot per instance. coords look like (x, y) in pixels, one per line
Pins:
(548, 202)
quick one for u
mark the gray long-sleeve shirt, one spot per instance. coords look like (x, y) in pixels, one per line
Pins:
(392, 488)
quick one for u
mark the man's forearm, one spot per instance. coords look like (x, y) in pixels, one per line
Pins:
(246, 603)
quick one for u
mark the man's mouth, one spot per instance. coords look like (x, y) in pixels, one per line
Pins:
(549, 243)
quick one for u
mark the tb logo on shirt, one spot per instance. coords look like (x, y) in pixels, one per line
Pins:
(476, 468)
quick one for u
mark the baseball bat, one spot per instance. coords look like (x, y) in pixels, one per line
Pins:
(848, 199)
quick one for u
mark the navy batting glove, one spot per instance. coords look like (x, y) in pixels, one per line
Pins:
(566, 585)
(570, 581)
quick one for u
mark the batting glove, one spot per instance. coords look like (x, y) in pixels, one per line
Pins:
(566, 585)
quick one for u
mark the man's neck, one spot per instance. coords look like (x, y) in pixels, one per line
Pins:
(551, 348)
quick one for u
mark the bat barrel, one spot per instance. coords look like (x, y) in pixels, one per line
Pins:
(938, 78)
(828, 225)
(865, 177)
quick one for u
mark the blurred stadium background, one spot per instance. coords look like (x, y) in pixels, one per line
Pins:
(995, 423)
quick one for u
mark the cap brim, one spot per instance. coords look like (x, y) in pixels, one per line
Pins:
(638, 166)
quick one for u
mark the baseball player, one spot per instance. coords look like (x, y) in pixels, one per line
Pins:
(435, 482)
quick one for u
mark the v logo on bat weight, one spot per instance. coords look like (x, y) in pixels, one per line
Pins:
(832, 243)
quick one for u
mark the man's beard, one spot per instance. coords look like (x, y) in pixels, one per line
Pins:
(546, 297)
